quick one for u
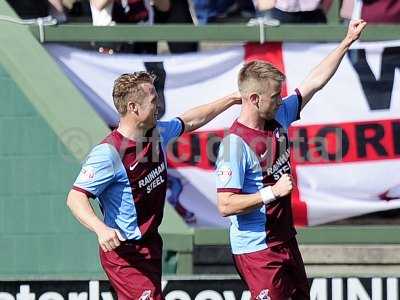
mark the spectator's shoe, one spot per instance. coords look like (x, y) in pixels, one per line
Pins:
(61, 18)
(188, 216)
(45, 21)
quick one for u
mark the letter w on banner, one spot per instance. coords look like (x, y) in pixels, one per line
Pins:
(345, 149)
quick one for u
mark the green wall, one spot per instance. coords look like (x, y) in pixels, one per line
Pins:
(46, 129)
(38, 234)
(39, 238)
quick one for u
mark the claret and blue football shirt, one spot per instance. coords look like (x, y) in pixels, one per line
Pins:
(249, 160)
(130, 179)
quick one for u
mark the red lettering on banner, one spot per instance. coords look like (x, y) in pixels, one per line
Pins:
(196, 149)
(340, 143)
(345, 142)
(310, 145)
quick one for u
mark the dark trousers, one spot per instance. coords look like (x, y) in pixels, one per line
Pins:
(314, 16)
(179, 13)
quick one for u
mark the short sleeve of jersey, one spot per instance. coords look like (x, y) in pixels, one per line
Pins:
(289, 111)
(97, 171)
(230, 165)
(170, 129)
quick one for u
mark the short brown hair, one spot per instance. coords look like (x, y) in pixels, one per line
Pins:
(128, 85)
(258, 71)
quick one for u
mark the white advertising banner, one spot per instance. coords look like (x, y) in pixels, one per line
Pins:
(201, 288)
(346, 147)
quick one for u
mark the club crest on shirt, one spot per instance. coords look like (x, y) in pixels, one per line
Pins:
(264, 295)
(87, 173)
(280, 135)
(224, 174)
(146, 295)
(276, 133)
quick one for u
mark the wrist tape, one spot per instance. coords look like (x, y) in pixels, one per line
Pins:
(267, 195)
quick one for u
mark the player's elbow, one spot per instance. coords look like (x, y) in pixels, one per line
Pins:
(73, 199)
(69, 200)
(193, 124)
(224, 206)
(193, 120)
(223, 210)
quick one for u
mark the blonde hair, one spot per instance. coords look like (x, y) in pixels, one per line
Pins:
(254, 74)
(128, 87)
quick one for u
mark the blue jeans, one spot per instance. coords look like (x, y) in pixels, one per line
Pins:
(208, 10)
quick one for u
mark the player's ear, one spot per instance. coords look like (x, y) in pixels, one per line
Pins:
(132, 107)
(254, 99)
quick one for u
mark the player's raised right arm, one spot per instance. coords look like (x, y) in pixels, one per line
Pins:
(324, 71)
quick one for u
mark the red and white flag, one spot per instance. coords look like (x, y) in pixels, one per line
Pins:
(346, 147)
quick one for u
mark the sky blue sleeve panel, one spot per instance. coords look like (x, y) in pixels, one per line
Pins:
(97, 171)
(234, 174)
(230, 165)
(289, 111)
(170, 129)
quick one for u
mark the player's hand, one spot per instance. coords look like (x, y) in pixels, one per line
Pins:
(355, 29)
(109, 238)
(283, 187)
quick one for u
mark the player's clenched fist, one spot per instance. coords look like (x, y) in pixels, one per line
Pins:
(283, 187)
(109, 238)
(355, 29)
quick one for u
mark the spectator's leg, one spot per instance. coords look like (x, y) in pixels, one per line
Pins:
(180, 13)
(144, 48)
(246, 6)
(57, 10)
(206, 10)
(28, 9)
(315, 16)
(222, 6)
(283, 17)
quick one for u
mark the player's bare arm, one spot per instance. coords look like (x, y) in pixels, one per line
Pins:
(201, 115)
(235, 204)
(322, 73)
(80, 206)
